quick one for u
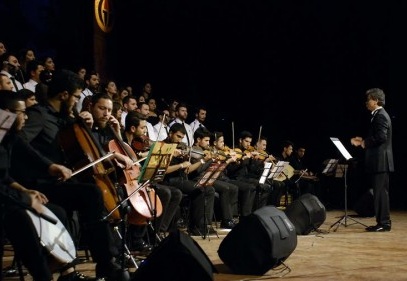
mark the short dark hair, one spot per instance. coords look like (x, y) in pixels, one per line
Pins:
(133, 118)
(177, 127)
(64, 80)
(377, 94)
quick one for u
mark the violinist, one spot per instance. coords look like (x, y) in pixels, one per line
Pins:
(43, 126)
(266, 196)
(228, 192)
(237, 172)
(135, 127)
(178, 175)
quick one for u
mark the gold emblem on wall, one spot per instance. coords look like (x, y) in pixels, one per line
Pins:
(104, 15)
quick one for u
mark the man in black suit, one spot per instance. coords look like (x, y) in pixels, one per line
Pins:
(378, 157)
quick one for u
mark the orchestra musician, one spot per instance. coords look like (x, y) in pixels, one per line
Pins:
(308, 182)
(178, 175)
(238, 173)
(266, 195)
(170, 196)
(42, 130)
(228, 192)
(16, 223)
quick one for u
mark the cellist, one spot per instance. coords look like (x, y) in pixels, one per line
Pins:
(44, 124)
(135, 129)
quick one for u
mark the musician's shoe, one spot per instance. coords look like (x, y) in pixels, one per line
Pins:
(378, 228)
(227, 224)
(76, 276)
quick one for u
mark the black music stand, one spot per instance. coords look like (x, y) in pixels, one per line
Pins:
(153, 170)
(6, 121)
(207, 179)
(344, 219)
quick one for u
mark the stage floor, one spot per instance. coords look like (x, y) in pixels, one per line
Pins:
(349, 253)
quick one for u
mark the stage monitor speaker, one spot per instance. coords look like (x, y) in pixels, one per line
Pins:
(177, 257)
(259, 242)
(307, 213)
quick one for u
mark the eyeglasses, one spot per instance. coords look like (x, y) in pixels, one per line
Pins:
(77, 96)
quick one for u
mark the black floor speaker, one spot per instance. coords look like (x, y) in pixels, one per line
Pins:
(307, 213)
(177, 257)
(259, 242)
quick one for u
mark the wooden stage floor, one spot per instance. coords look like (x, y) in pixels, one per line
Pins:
(349, 253)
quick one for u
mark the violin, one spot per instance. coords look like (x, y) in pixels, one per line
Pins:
(141, 143)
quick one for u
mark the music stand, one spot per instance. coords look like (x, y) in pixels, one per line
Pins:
(154, 169)
(207, 179)
(6, 121)
(344, 219)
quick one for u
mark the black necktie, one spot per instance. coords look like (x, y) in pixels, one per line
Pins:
(189, 144)
(14, 82)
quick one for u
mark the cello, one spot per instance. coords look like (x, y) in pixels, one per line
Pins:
(79, 139)
(146, 205)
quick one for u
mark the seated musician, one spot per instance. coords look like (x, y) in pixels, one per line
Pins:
(238, 173)
(179, 175)
(286, 177)
(256, 168)
(135, 131)
(228, 192)
(18, 226)
(307, 181)
(44, 126)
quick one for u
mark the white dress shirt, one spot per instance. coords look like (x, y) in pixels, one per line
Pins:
(195, 125)
(30, 85)
(162, 131)
(189, 135)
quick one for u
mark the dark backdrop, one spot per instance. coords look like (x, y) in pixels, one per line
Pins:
(299, 70)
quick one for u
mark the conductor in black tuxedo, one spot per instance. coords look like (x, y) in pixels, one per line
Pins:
(378, 157)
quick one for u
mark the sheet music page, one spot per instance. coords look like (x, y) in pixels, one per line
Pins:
(330, 166)
(341, 148)
(6, 121)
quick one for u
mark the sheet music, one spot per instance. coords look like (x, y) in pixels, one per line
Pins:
(330, 166)
(266, 171)
(157, 161)
(341, 148)
(211, 174)
(7, 119)
(278, 169)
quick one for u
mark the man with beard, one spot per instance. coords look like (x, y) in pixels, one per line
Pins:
(10, 67)
(46, 122)
(92, 81)
(15, 199)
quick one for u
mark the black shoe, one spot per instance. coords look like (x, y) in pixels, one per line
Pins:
(76, 276)
(378, 228)
(227, 224)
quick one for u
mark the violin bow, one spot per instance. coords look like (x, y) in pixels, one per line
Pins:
(258, 140)
(233, 135)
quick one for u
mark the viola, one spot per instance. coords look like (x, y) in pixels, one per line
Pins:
(145, 204)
